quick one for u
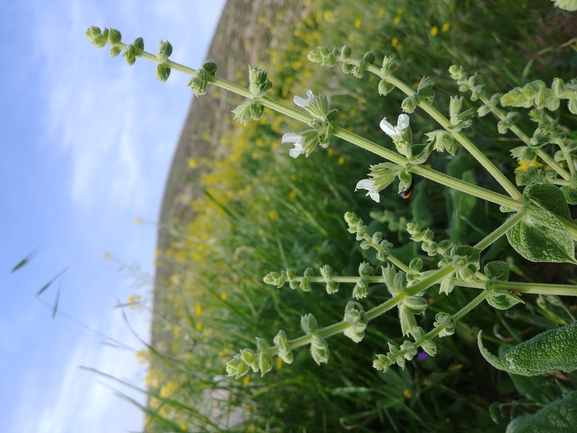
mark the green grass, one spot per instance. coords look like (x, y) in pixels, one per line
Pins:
(264, 211)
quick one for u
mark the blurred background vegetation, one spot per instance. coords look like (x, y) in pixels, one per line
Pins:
(237, 207)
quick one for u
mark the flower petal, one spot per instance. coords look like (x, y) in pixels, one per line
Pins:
(365, 184)
(296, 151)
(375, 196)
(402, 121)
(304, 102)
(291, 137)
(387, 127)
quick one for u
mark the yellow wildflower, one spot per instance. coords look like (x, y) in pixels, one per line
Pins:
(523, 166)
(198, 327)
(138, 221)
(192, 162)
(358, 23)
(341, 160)
(292, 195)
(223, 296)
(395, 41)
(331, 151)
(245, 380)
(279, 363)
(198, 309)
(445, 27)
(434, 30)
(381, 11)
(397, 20)
(273, 215)
(407, 393)
(400, 11)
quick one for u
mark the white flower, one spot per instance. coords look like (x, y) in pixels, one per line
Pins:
(395, 131)
(370, 186)
(304, 102)
(298, 141)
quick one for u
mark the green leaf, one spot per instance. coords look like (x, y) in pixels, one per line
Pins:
(502, 300)
(549, 197)
(557, 417)
(551, 350)
(570, 194)
(497, 270)
(541, 237)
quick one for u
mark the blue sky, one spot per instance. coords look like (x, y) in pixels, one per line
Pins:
(85, 147)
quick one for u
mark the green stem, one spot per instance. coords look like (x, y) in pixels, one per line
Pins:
(456, 317)
(501, 230)
(530, 288)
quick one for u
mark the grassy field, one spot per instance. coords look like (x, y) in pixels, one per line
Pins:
(237, 207)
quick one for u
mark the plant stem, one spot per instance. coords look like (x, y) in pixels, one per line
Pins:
(531, 288)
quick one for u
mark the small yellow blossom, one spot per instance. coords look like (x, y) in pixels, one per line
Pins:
(397, 20)
(292, 195)
(445, 27)
(192, 163)
(407, 393)
(273, 215)
(245, 380)
(176, 331)
(279, 363)
(134, 302)
(395, 41)
(353, 111)
(106, 256)
(261, 233)
(198, 309)
(523, 166)
(138, 221)
(456, 367)
(223, 296)
(434, 30)
(400, 11)
(351, 38)
(261, 19)
(183, 427)
(331, 151)
(198, 327)
(381, 11)
(142, 356)
(341, 160)
(358, 23)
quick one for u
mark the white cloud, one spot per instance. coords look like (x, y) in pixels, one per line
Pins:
(82, 401)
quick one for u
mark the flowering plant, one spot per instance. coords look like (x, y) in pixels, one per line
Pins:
(536, 221)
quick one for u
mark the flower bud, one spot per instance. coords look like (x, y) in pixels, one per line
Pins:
(366, 270)
(314, 56)
(361, 289)
(446, 321)
(92, 32)
(309, 324)
(250, 358)
(319, 350)
(100, 41)
(369, 58)
(332, 287)
(347, 68)
(210, 66)
(162, 72)
(130, 55)
(281, 343)
(236, 367)
(164, 51)
(115, 51)
(345, 52)
(114, 36)
(256, 111)
(264, 363)
(138, 44)
(381, 363)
